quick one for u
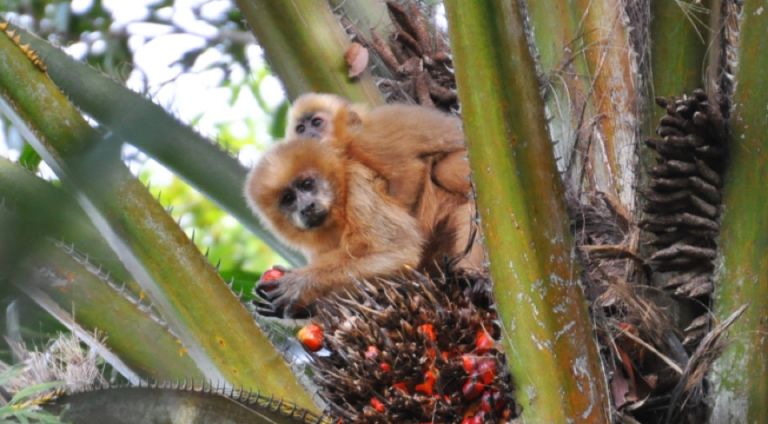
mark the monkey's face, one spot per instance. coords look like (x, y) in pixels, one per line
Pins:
(307, 201)
(313, 124)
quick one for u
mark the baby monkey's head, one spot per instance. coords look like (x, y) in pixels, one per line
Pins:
(314, 115)
(297, 189)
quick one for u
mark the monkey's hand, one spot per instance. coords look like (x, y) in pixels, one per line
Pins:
(285, 296)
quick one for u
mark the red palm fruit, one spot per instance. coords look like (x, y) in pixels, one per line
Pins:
(499, 403)
(486, 368)
(428, 331)
(401, 387)
(484, 342)
(427, 387)
(472, 388)
(372, 352)
(431, 353)
(479, 418)
(486, 401)
(272, 274)
(311, 337)
(377, 405)
(469, 362)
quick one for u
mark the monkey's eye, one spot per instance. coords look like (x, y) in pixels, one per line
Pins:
(306, 184)
(300, 128)
(316, 122)
(287, 198)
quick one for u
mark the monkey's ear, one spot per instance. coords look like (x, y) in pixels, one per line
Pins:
(353, 119)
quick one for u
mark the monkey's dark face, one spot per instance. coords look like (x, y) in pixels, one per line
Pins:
(313, 125)
(307, 201)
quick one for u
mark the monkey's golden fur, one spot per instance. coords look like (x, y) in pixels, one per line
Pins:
(419, 152)
(366, 233)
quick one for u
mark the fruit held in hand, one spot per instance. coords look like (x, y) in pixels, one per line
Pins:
(311, 337)
(272, 274)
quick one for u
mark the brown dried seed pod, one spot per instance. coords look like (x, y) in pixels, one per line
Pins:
(673, 168)
(685, 278)
(700, 119)
(409, 42)
(668, 151)
(682, 264)
(687, 220)
(695, 288)
(384, 51)
(676, 122)
(707, 209)
(684, 141)
(669, 184)
(669, 131)
(706, 190)
(710, 152)
(708, 173)
(683, 250)
(666, 198)
(666, 239)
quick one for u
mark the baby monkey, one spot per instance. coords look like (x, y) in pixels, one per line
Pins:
(402, 143)
(336, 212)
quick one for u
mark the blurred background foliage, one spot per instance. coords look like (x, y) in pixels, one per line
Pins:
(196, 59)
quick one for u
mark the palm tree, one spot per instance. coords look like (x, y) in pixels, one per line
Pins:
(581, 214)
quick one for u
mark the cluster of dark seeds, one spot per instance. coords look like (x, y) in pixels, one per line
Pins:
(414, 349)
(683, 201)
(417, 57)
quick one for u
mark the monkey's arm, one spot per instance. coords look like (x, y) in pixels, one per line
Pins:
(330, 272)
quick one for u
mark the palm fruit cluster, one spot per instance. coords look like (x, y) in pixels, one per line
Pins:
(683, 201)
(413, 349)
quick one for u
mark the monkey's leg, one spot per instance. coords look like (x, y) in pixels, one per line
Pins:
(451, 173)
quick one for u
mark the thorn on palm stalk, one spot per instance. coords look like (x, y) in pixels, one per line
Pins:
(413, 349)
(683, 201)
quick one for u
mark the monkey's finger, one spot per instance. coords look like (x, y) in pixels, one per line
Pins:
(281, 268)
(268, 311)
(260, 292)
(260, 302)
(284, 301)
(269, 289)
(296, 311)
(266, 308)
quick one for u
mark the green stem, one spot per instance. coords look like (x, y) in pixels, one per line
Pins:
(678, 50)
(305, 47)
(741, 374)
(547, 331)
(613, 92)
